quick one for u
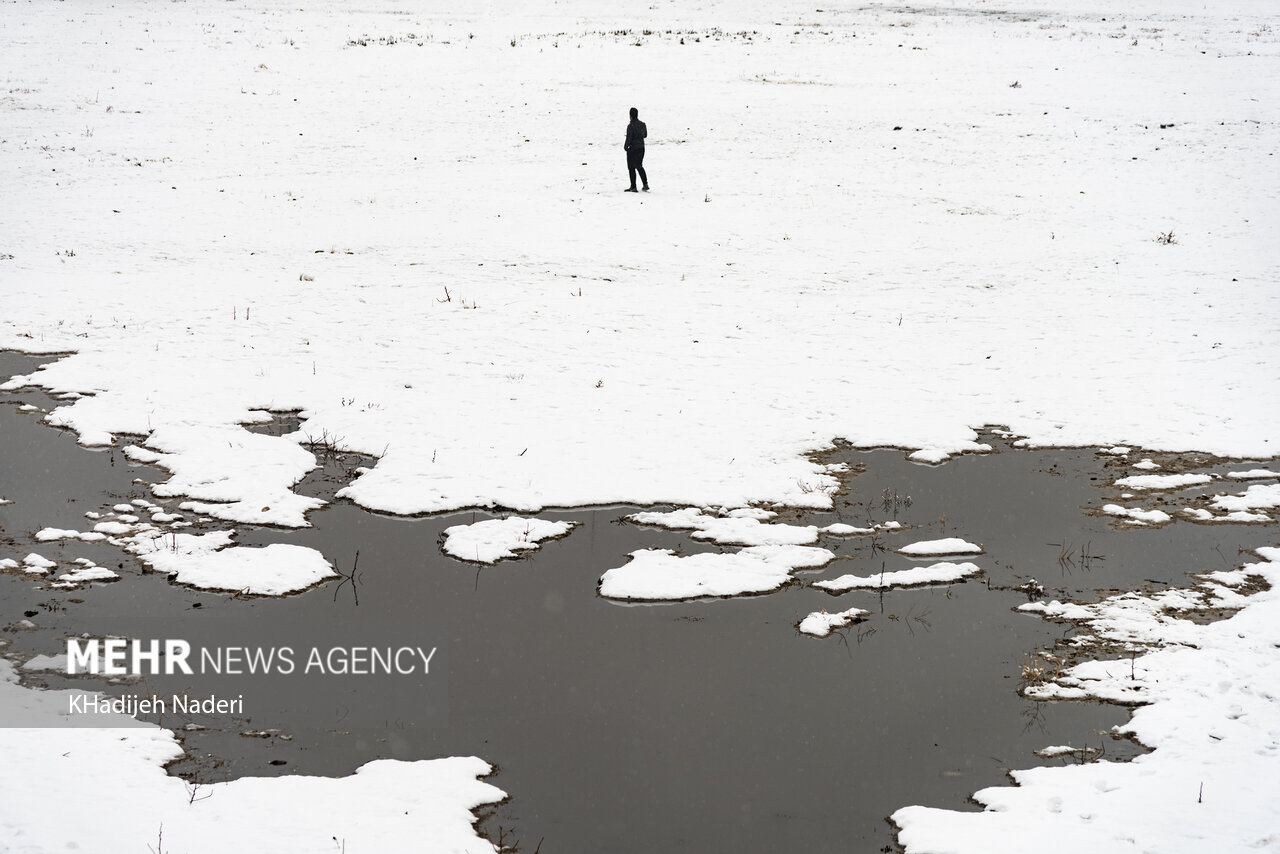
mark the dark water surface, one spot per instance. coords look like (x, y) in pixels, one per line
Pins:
(694, 726)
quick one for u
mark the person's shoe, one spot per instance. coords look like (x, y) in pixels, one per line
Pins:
(645, 188)
(630, 190)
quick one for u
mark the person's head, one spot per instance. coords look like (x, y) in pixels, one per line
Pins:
(635, 114)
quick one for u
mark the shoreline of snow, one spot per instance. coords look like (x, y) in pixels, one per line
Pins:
(249, 474)
(1202, 704)
(386, 805)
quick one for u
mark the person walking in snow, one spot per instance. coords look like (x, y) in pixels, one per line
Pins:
(634, 146)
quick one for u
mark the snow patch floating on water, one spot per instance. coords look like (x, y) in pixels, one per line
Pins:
(1057, 610)
(493, 540)
(207, 561)
(820, 623)
(45, 535)
(88, 571)
(1199, 514)
(37, 563)
(1163, 481)
(1210, 712)
(1259, 496)
(732, 528)
(56, 663)
(1136, 515)
(210, 560)
(938, 573)
(1057, 750)
(1253, 474)
(1146, 465)
(936, 548)
(840, 529)
(661, 574)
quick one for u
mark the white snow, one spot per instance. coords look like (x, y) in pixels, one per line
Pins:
(841, 529)
(113, 527)
(1253, 474)
(1055, 750)
(46, 662)
(1209, 712)
(938, 573)
(1200, 514)
(492, 540)
(820, 623)
(729, 529)
(37, 563)
(234, 474)
(88, 571)
(8, 563)
(1137, 514)
(210, 562)
(1163, 481)
(1057, 610)
(45, 535)
(661, 574)
(1259, 496)
(933, 456)
(386, 805)
(722, 343)
(944, 546)
(1146, 465)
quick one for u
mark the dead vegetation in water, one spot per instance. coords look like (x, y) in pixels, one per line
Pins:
(1038, 667)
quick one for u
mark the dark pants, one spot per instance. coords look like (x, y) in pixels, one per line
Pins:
(635, 163)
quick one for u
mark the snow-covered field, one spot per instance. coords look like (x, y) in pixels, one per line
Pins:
(886, 224)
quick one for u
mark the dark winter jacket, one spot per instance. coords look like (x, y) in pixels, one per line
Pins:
(636, 132)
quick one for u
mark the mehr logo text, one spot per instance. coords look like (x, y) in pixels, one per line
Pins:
(132, 657)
